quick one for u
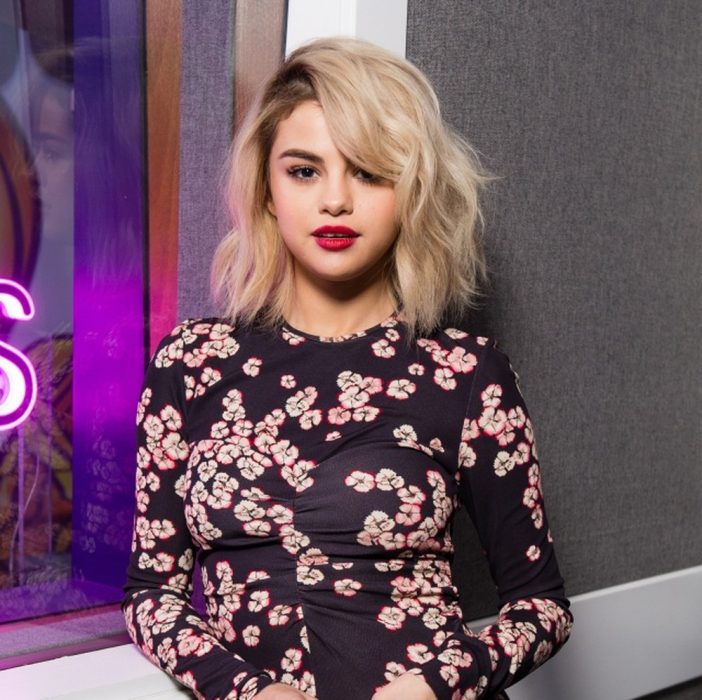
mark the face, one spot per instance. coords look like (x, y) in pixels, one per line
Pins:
(338, 221)
(53, 139)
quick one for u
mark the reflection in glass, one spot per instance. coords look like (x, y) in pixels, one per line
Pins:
(71, 232)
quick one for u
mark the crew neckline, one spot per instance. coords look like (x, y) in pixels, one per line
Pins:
(389, 322)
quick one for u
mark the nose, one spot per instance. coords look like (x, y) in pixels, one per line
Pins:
(336, 197)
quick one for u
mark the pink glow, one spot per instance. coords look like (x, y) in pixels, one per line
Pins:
(18, 381)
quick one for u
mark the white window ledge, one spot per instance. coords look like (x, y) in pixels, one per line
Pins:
(628, 641)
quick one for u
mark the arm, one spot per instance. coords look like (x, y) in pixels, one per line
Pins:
(499, 483)
(159, 616)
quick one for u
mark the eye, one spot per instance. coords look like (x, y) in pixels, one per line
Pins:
(302, 172)
(365, 176)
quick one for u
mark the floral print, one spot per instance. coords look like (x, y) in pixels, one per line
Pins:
(314, 481)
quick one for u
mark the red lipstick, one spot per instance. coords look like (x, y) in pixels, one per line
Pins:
(335, 237)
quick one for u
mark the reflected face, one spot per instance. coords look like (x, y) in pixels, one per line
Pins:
(338, 221)
(53, 142)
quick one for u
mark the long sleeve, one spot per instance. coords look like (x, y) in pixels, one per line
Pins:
(500, 485)
(159, 616)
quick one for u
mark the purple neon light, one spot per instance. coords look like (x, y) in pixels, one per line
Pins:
(18, 380)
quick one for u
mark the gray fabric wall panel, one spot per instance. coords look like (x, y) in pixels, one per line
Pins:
(591, 114)
(206, 107)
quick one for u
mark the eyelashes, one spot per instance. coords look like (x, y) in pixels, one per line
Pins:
(302, 172)
(307, 172)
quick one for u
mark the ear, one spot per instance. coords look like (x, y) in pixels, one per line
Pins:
(270, 206)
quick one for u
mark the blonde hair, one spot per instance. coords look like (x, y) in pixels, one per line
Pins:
(384, 116)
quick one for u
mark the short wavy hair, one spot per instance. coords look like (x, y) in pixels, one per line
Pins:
(384, 116)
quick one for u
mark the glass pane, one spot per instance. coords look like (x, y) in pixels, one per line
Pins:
(72, 236)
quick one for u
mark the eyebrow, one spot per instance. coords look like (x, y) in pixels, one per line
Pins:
(304, 155)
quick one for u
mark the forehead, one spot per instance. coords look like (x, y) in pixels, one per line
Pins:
(306, 126)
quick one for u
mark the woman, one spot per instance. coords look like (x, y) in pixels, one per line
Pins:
(310, 450)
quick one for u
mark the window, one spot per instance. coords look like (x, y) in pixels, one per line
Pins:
(72, 234)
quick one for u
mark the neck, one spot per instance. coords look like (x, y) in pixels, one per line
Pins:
(335, 309)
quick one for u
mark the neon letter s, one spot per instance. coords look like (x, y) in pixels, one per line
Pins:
(18, 381)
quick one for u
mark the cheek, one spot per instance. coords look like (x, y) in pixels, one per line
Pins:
(387, 213)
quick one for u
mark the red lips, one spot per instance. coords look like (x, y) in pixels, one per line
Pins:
(335, 232)
(335, 237)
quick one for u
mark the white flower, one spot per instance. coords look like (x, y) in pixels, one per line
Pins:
(537, 515)
(339, 415)
(543, 652)
(504, 463)
(171, 418)
(409, 514)
(401, 388)
(433, 618)
(291, 660)
(450, 675)
(279, 615)
(388, 480)
(280, 514)
(530, 497)
(360, 481)
(435, 444)
(347, 587)
(455, 333)
(466, 455)
(461, 361)
(533, 553)
(365, 414)
(284, 453)
(259, 600)
(522, 453)
(308, 576)
(288, 381)
(251, 635)
(292, 338)
(257, 528)
(310, 418)
(405, 433)
(390, 565)
(153, 427)
(298, 475)
(516, 417)
(444, 378)
(393, 670)
(391, 617)
(491, 395)
(300, 402)
(382, 348)
(492, 420)
(419, 653)
(377, 522)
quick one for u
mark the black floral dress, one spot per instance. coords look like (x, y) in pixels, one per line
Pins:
(315, 480)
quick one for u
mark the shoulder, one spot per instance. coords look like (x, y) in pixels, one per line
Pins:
(469, 353)
(452, 343)
(458, 337)
(195, 339)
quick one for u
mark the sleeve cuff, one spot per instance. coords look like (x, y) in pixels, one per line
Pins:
(251, 687)
(456, 669)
